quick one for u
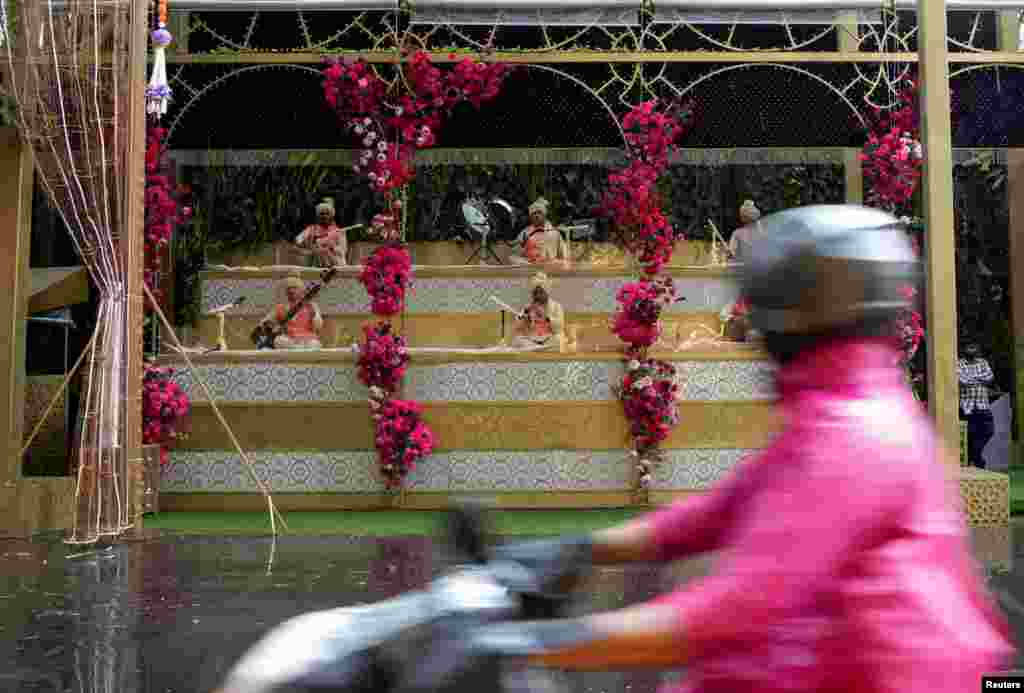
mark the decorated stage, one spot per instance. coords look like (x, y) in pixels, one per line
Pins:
(451, 306)
(523, 430)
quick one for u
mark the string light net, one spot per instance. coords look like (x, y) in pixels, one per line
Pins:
(68, 77)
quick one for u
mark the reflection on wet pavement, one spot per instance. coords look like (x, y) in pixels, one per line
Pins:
(165, 613)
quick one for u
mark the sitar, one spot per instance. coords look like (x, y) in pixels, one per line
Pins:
(265, 333)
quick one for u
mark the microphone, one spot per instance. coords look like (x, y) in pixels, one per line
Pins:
(227, 306)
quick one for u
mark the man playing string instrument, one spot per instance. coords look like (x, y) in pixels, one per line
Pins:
(303, 330)
(540, 241)
(324, 238)
(543, 321)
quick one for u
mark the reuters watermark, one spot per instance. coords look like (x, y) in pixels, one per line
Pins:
(1013, 681)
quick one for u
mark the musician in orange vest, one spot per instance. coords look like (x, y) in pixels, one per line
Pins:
(303, 330)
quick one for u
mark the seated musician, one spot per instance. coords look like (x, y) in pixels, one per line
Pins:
(540, 241)
(327, 242)
(303, 330)
(543, 321)
(739, 244)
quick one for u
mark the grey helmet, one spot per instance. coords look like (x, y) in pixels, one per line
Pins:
(817, 270)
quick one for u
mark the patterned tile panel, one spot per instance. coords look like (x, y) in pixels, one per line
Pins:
(467, 295)
(460, 471)
(473, 382)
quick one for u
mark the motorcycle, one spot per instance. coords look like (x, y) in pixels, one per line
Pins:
(418, 641)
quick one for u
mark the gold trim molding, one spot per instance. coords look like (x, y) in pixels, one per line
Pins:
(478, 425)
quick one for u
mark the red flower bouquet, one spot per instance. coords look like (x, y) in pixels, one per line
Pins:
(383, 358)
(392, 127)
(401, 438)
(909, 328)
(387, 275)
(640, 306)
(164, 405)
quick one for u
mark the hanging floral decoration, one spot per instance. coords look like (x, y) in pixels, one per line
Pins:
(392, 123)
(892, 158)
(631, 201)
(402, 439)
(637, 321)
(387, 275)
(650, 400)
(383, 358)
(163, 209)
(164, 406)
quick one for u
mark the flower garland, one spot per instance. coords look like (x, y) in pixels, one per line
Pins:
(387, 275)
(892, 158)
(401, 436)
(162, 208)
(637, 321)
(164, 405)
(650, 400)
(392, 127)
(383, 358)
(631, 201)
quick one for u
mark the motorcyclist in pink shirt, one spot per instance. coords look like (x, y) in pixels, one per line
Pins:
(843, 562)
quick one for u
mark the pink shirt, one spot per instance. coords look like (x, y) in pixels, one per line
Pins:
(844, 563)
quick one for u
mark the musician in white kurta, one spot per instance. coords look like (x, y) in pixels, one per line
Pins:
(543, 321)
(540, 242)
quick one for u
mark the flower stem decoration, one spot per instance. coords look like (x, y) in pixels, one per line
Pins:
(387, 275)
(631, 201)
(164, 405)
(892, 158)
(163, 210)
(650, 400)
(383, 358)
(402, 439)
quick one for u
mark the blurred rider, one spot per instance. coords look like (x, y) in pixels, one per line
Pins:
(842, 553)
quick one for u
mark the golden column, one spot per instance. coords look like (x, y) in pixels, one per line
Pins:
(936, 133)
(133, 235)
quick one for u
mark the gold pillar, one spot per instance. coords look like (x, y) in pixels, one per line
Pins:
(853, 171)
(1009, 31)
(1015, 197)
(133, 233)
(27, 505)
(936, 133)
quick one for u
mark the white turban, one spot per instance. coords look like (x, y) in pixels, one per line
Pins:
(295, 282)
(539, 205)
(326, 206)
(542, 280)
(750, 211)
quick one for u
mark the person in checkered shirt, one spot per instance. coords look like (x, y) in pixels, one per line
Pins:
(975, 378)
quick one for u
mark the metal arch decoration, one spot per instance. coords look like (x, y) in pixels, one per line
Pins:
(576, 80)
(681, 92)
(196, 95)
(197, 25)
(984, 66)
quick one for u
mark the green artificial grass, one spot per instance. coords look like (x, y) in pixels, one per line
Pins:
(386, 522)
(1017, 490)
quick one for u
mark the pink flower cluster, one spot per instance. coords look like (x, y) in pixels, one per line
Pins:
(640, 306)
(164, 405)
(401, 438)
(161, 207)
(892, 156)
(631, 201)
(909, 328)
(387, 275)
(392, 127)
(383, 357)
(650, 396)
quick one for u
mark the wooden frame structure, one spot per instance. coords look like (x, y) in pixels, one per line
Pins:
(936, 63)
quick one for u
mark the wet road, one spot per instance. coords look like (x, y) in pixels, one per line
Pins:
(164, 613)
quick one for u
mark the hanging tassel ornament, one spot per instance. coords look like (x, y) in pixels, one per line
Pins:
(158, 93)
